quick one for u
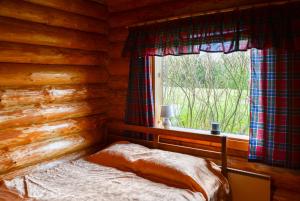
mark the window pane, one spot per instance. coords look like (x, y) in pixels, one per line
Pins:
(208, 87)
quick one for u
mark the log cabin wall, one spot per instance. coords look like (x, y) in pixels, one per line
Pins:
(285, 182)
(53, 58)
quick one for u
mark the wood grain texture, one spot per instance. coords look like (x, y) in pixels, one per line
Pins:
(36, 74)
(53, 59)
(118, 67)
(118, 34)
(29, 154)
(118, 82)
(36, 114)
(121, 5)
(174, 9)
(37, 34)
(82, 7)
(13, 137)
(10, 97)
(21, 53)
(50, 16)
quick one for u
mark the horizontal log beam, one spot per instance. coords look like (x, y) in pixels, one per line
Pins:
(36, 114)
(82, 7)
(116, 49)
(118, 67)
(33, 33)
(118, 34)
(50, 16)
(37, 34)
(18, 75)
(29, 154)
(174, 9)
(50, 94)
(119, 82)
(21, 53)
(121, 5)
(13, 137)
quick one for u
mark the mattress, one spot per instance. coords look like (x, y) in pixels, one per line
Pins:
(83, 180)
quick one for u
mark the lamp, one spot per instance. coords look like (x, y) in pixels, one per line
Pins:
(166, 112)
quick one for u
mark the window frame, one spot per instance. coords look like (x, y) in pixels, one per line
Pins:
(237, 144)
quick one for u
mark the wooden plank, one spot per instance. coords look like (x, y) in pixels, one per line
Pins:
(50, 163)
(116, 49)
(174, 9)
(121, 5)
(118, 82)
(165, 132)
(50, 16)
(82, 7)
(118, 67)
(38, 34)
(18, 75)
(50, 94)
(118, 34)
(29, 154)
(21, 53)
(36, 114)
(13, 137)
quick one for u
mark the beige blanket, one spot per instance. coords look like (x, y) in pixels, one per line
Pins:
(174, 169)
(83, 181)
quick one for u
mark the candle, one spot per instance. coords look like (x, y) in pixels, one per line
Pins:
(215, 128)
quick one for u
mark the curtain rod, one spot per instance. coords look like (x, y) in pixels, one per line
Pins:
(258, 5)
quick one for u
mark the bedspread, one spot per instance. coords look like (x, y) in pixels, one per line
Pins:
(83, 180)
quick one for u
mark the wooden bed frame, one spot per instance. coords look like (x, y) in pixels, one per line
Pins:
(114, 129)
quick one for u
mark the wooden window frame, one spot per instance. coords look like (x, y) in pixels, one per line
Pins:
(237, 144)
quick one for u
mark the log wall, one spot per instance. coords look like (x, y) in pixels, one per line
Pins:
(285, 182)
(53, 79)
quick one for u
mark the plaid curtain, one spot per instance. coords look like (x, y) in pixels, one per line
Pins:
(274, 26)
(275, 107)
(140, 104)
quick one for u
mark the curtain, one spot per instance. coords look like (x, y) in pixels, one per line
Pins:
(275, 107)
(272, 33)
(140, 103)
(274, 26)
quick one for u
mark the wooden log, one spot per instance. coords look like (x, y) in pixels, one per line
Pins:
(82, 7)
(50, 16)
(116, 112)
(36, 114)
(174, 9)
(38, 34)
(118, 34)
(29, 154)
(13, 137)
(21, 53)
(50, 94)
(118, 67)
(118, 82)
(51, 163)
(24, 135)
(35, 74)
(116, 49)
(121, 5)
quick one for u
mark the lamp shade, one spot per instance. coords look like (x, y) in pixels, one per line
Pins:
(166, 111)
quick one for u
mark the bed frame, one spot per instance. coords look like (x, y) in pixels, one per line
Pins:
(115, 128)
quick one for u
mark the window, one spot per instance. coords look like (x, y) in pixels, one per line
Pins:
(204, 88)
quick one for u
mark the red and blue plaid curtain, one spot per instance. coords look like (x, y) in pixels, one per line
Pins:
(275, 107)
(140, 103)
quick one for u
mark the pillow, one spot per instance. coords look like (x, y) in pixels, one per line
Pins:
(174, 169)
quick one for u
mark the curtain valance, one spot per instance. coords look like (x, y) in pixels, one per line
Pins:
(275, 26)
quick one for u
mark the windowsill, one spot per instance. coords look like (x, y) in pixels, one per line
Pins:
(237, 144)
(197, 131)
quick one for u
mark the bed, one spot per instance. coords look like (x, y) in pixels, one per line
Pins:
(124, 171)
